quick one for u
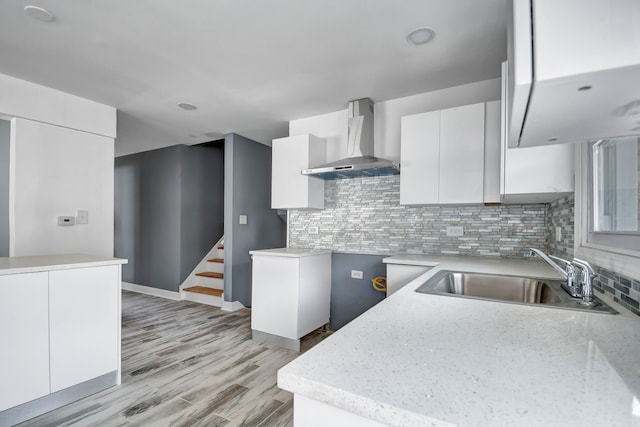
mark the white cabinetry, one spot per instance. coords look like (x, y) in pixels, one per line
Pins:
(24, 332)
(532, 174)
(291, 291)
(59, 329)
(442, 156)
(289, 188)
(585, 60)
(84, 324)
(399, 275)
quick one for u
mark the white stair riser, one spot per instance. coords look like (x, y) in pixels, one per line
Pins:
(204, 299)
(216, 267)
(220, 253)
(209, 282)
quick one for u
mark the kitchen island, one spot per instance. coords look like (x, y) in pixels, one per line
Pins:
(430, 360)
(60, 331)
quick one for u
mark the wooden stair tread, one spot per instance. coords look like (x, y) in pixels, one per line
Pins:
(211, 274)
(203, 290)
(221, 247)
(219, 260)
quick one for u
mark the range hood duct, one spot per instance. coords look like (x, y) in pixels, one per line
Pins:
(360, 161)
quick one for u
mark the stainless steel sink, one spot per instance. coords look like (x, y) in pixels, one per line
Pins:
(511, 289)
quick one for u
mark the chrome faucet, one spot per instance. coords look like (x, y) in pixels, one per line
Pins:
(572, 286)
(586, 281)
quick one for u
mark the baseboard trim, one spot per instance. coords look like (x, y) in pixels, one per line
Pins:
(34, 408)
(141, 289)
(232, 305)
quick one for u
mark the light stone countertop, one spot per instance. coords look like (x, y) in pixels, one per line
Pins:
(32, 264)
(290, 252)
(422, 360)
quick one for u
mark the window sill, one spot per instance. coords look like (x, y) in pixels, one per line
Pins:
(620, 261)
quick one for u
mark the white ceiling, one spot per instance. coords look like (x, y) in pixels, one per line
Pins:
(249, 65)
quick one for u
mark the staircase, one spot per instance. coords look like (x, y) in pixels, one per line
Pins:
(205, 284)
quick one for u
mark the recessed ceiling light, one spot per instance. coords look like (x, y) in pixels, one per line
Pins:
(39, 13)
(420, 36)
(187, 106)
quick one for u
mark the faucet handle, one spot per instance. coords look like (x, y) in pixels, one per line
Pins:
(585, 266)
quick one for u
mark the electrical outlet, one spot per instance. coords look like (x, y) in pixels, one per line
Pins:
(558, 234)
(455, 230)
(356, 274)
(313, 230)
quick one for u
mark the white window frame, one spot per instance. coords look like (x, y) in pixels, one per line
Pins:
(622, 261)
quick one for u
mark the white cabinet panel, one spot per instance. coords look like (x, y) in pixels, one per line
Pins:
(274, 298)
(462, 155)
(84, 324)
(399, 275)
(578, 85)
(289, 188)
(290, 295)
(442, 156)
(24, 333)
(420, 158)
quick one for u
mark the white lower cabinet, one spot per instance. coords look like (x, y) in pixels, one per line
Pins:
(24, 333)
(83, 316)
(399, 275)
(290, 295)
(58, 329)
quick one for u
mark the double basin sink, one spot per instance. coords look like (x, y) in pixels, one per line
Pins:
(510, 289)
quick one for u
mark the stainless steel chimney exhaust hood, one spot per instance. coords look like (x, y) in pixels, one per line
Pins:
(360, 161)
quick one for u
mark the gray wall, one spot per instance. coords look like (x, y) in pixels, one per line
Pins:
(5, 134)
(202, 202)
(247, 192)
(168, 212)
(352, 297)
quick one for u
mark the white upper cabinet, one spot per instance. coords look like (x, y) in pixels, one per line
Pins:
(442, 156)
(533, 174)
(574, 70)
(289, 188)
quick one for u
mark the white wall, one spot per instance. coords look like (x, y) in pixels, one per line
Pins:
(387, 114)
(61, 160)
(56, 171)
(31, 101)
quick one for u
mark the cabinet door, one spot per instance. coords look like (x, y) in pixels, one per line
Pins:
(24, 334)
(289, 188)
(84, 324)
(462, 155)
(274, 295)
(420, 158)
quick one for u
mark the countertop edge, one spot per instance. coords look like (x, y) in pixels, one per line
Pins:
(40, 263)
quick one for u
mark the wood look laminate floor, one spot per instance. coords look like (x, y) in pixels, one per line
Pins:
(187, 364)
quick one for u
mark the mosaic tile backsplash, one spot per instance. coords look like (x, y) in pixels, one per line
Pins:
(623, 290)
(364, 216)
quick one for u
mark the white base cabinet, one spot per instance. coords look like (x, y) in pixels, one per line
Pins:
(84, 324)
(399, 275)
(291, 292)
(24, 322)
(59, 328)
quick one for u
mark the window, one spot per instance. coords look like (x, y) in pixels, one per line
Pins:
(614, 197)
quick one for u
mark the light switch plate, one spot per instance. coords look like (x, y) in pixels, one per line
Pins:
(558, 234)
(242, 220)
(313, 230)
(82, 217)
(356, 274)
